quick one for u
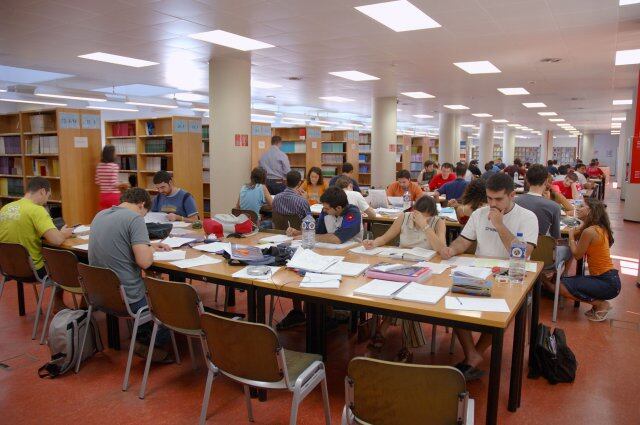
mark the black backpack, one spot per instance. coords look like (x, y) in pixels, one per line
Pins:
(552, 357)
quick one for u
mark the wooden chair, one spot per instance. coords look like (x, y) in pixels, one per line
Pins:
(62, 269)
(282, 222)
(250, 353)
(548, 251)
(16, 264)
(176, 306)
(249, 213)
(384, 393)
(379, 229)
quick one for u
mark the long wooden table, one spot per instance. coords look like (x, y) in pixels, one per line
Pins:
(287, 283)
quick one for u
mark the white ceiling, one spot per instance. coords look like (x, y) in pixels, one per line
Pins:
(316, 37)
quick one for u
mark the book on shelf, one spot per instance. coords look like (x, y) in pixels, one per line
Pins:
(205, 147)
(300, 170)
(328, 171)
(332, 147)
(127, 162)
(293, 147)
(42, 122)
(205, 132)
(156, 163)
(124, 146)
(205, 176)
(149, 128)
(158, 146)
(11, 165)
(328, 158)
(42, 145)
(10, 145)
(364, 148)
(205, 162)
(11, 187)
(120, 129)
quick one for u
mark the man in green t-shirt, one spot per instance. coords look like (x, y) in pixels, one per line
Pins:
(26, 222)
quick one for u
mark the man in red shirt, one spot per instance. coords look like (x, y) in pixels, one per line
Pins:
(446, 175)
(594, 171)
(569, 186)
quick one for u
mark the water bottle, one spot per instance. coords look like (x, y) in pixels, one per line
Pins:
(406, 200)
(517, 259)
(308, 232)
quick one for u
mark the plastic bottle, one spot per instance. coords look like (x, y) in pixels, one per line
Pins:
(517, 259)
(308, 232)
(406, 200)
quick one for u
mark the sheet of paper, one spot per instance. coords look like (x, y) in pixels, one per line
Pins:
(179, 231)
(496, 262)
(177, 242)
(180, 224)
(476, 272)
(81, 229)
(421, 293)
(214, 247)
(388, 211)
(316, 280)
(448, 213)
(83, 247)
(396, 200)
(436, 268)
(346, 268)
(379, 288)
(243, 274)
(306, 259)
(316, 208)
(84, 237)
(336, 246)
(156, 217)
(497, 305)
(460, 261)
(387, 267)
(364, 251)
(202, 260)
(276, 239)
(169, 255)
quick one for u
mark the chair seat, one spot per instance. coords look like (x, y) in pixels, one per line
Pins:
(298, 362)
(72, 289)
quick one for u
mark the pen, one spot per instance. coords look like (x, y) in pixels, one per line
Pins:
(288, 223)
(458, 299)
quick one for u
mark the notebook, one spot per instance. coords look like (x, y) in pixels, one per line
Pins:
(317, 280)
(412, 254)
(346, 268)
(436, 268)
(169, 255)
(214, 247)
(306, 259)
(177, 242)
(81, 229)
(202, 260)
(426, 294)
(364, 251)
(276, 239)
(83, 247)
(246, 253)
(498, 305)
(474, 272)
(378, 288)
(399, 273)
(336, 246)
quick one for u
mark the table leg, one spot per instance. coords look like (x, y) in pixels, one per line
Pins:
(517, 357)
(251, 304)
(20, 288)
(535, 317)
(113, 332)
(316, 332)
(260, 310)
(230, 293)
(494, 377)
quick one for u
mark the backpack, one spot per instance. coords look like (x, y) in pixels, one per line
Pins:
(65, 336)
(552, 357)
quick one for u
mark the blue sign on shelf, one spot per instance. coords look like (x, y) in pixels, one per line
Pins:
(256, 130)
(195, 126)
(179, 126)
(69, 120)
(90, 121)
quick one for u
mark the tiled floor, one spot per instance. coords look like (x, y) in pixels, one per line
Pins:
(605, 391)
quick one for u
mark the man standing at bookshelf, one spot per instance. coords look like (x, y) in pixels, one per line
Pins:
(177, 203)
(276, 164)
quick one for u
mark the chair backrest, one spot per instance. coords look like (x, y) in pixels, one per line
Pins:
(62, 266)
(249, 213)
(379, 229)
(242, 349)
(381, 392)
(101, 288)
(15, 262)
(175, 304)
(544, 250)
(282, 221)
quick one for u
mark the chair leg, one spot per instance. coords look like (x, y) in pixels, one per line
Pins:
(38, 308)
(84, 338)
(556, 297)
(452, 344)
(433, 339)
(295, 403)
(149, 355)
(132, 344)
(46, 317)
(205, 399)
(247, 399)
(271, 309)
(191, 353)
(216, 295)
(3, 280)
(175, 347)
(325, 401)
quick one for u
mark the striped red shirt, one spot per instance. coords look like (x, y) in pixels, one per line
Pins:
(107, 177)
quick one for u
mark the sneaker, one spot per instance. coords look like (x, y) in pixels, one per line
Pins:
(294, 318)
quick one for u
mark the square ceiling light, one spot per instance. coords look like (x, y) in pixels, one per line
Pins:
(264, 85)
(513, 91)
(418, 95)
(620, 102)
(456, 107)
(137, 90)
(28, 76)
(628, 2)
(628, 57)
(423, 116)
(228, 39)
(482, 115)
(399, 15)
(547, 114)
(337, 99)
(500, 121)
(534, 105)
(117, 59)
(619, 118)
(478, 67)
(556, 120)
(354, 75)
(189, 97)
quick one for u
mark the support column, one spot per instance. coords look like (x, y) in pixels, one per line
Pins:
(464, 135)
(508, 145)
(449, 149)
(230, 112)
(383, 135)
(621, 158)
(485, 144)
(632, 187)
(586, 148)
(547, 146)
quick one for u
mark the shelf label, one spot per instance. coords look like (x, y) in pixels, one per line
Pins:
(256, 130)
(261, 144)
(81, 142)
(69, 120)
(179, 126)
(242, 140)
(314, 145)
(195, 126)
(266, 130)
(90, 121)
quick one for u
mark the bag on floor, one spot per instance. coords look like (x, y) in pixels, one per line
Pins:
(65, 336)
(552, 357)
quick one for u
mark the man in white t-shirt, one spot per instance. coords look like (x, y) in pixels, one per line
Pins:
(355, 198)
(581, 171)
(493, 228)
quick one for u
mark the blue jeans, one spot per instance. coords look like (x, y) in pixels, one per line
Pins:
(596, 287)
(144, 331)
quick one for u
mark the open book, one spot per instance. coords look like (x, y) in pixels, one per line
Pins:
(404, 291)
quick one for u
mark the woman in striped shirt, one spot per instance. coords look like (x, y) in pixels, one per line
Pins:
(107, 178)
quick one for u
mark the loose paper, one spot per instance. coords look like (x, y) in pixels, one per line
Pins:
(316, 280)
(475, 272)
(497, 305)
(261, 144)
(316, 208)
(327, 245)
(156, 217)
(176, 224)
(436, 268)
(195, 262)
(421, 293)
(169, 255)
(215, 247)
(379, 288)
(306, 259)
(276, 239)
(84, 237)
(81, 229)
(364, 251)
(346, 268)
(176, 242)
(459, 261)
(83, 247)
(496, 262)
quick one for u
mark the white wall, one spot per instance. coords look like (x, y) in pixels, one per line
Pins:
(605, 148)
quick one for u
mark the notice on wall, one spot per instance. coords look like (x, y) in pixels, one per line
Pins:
(80, 142)
(90, 121)
(242, 140)
(261, 144)
(314, 145)
(69, 120)
(195, 126)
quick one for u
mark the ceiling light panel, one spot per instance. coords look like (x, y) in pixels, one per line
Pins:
(64, 96)
(513, 91)
(112, 108)
(628, 2)
(423, 116)
(28, 76)
(418, 95)
(556, 119)
(547, 114)
(354, 75)
(117, 59)
(153, 105)
(619, 119)
(137, 90)
(456, 107)
(620, 102)
(189, 97)
(500, 121)
(482, 115)
(338, 99)
(399, 16)
(231, 40)
(534, 105)
(628, 57)
(33, 102)
(478, 67)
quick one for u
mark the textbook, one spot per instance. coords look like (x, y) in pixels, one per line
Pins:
(399, 272)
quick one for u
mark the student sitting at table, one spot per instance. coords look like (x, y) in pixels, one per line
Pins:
(446, 175)
(120, 242)
(547, 211)
(516, 167)
(27, 222)
(346, 170)
(493, 228)
(568, 187)
(551, 192)
(474, 197)
(594, 171)
(355, 198)
(581, 172)
(420, 228)
(289, 201)
(551, 168)
(488, 171)
(473, 168)
(314, 186)
(427, 173)
(454, 189)
(255, 194)
(403, 184)
(177, 203)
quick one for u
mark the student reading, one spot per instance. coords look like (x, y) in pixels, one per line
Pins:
(177, 203)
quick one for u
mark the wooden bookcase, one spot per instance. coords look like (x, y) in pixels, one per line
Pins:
(403, 152)
(364, 159)
(302, 145)
(62, 145)
(206, 173)
(527, 154)
(260, 141)
(172, 144)
(339, 147)
(565, 155)
(497, 151)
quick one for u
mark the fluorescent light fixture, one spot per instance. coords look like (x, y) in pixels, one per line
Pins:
(616, 125)
(399, 110)
(482, 115)
(137, 90)
(399, 16)
(547, 114)
(534, 105)
(264, 85)
(112, 108)
(513, 91)
(513, 125)
(328, 122)
(189, 97)
(34, 102)
(28, 76)
(468, 125)
(628, 2)
(264, 116)
(337, 99)
(628, 57)
(456, 107)
(620, 102)
(418, 95)
(478, 67)
(117, 59)
(294, 120)
(200, 109)
(2, 90)
(423, 116)
(500, 121)
(354, 75)
(556, 119)
(231, 40)
(64, 96)
(154, 105)
(619, 118)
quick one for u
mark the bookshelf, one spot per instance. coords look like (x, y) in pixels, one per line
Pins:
(206, 173)
(337, 148)
(419, 154)
(403, 152)
(434, 150)
(260, 141)
(364, 159)
(302, 145)
(497, 151)
(11, 159)
(528, 154)
(475, 153)
(463, 150)
(564, 155)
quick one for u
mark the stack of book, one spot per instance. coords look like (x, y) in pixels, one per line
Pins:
(471, 280)
(42, 167)
(42, 144)
(158, 146)
(124, 146)
(399, 272)
(11, 165)
(119, 129)
(9, 145)
(156, 163)
(11, 187)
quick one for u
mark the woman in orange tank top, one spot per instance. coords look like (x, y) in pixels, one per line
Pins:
(603, 282)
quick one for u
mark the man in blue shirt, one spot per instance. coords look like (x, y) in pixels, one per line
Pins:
(177, 203)
(454, 189)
